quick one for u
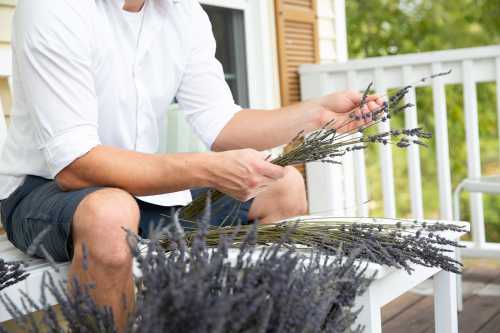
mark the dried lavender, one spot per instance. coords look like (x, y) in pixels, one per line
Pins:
(333, 140)
(77, 310)
(381, 241)
(11, 273)
(204, 289)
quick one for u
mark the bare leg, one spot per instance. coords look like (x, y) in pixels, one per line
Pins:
(97, 225)
(285, 198)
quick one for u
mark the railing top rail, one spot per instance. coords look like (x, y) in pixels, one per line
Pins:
(420, 58)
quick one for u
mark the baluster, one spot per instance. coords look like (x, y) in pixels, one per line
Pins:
(324, 180)
(442, 150)
(498, 99)
(473, 151)
(354, 172)
(414, 171)
(385, 153)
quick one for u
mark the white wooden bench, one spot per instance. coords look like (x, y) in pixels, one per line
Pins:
(35, 268)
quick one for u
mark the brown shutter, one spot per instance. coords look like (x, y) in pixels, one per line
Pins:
(297, 29)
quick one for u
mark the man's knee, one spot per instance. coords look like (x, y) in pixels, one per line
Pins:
(293, 193)
(98, 225)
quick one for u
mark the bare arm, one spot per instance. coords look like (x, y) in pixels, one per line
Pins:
(265, 129)
(137, 173)
(240, 173)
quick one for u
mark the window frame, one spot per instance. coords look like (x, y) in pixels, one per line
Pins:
(261, 50)
(235, 65)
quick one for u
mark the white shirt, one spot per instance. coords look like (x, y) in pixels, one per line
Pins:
(82, 78)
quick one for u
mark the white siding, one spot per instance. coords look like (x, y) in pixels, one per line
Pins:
(6, 13)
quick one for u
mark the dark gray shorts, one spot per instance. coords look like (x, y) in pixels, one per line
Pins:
(39, 203)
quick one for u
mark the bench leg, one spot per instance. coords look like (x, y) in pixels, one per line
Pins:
(445, 302)
(369, 317)
(460, 293)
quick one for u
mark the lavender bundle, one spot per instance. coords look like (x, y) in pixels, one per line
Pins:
(196, 289)
(394, 243)
(333, 141)
(199, 289)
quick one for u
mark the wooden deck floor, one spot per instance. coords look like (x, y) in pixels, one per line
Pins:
(414, 311)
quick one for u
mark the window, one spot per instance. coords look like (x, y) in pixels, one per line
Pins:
(229, 31)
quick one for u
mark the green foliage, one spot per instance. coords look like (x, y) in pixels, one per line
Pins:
(387, 27)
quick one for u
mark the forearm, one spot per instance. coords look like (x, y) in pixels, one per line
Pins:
(137, 173)
(264, 129)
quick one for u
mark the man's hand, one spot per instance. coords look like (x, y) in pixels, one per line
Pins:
(338, 106)
(242, 174)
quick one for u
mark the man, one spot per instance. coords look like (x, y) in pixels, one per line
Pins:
(92, 80)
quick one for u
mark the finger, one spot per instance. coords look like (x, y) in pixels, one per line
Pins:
(255, 192)
(272, 171)
(372, 106)
(353, 97)
(372, 97)
(264, 181)
(265, 155)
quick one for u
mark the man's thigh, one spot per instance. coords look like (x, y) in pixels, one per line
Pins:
(37, 205)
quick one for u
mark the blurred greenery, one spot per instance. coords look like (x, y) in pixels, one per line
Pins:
(388, 27)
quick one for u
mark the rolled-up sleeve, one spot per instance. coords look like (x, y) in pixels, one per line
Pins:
(53, 58)
(204, 95)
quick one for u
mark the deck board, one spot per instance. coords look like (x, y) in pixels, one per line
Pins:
(493, 325)
(414, 313)
(399, 305)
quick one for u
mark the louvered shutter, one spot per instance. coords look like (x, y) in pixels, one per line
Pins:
(297, 29)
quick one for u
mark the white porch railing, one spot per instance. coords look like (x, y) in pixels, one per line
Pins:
(342, 190)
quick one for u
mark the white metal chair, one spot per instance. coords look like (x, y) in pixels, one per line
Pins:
(478, 247)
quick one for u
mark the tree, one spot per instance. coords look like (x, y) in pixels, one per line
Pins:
(388, 27)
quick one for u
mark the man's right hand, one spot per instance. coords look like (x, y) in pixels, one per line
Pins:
(242, 174)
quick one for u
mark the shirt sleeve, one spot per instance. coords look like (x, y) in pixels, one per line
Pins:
(52, 55)
(204, 95)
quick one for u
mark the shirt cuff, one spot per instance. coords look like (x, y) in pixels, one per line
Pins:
(210, 123)
(64, 148)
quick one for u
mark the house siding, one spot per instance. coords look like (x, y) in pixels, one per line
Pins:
(6, 13)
